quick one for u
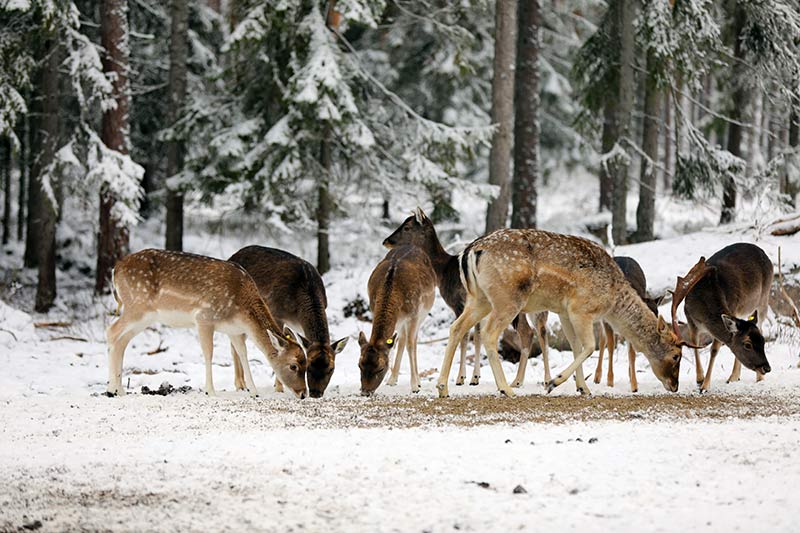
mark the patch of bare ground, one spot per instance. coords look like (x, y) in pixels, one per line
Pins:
(402, 412)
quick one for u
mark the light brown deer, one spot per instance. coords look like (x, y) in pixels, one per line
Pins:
(514, 270)
(401, 292)
(418, 230)
(635, 275)
(186, 290)
(734, 282)
(293, 290)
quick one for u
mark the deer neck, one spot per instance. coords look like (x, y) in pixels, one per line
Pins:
(259, 321)
(707, 311)
(315, 323)
(385, 319)
(440, 259)
(631, 318)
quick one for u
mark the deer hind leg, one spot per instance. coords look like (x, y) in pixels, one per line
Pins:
(598, 371)
(206, 334)
(462, 365)
(583, 333)
(242, 364)
(398, 359)
(472, 314)
(612, 346)
(576, 346)
(736, 373)
(632, 368)
(698, 364)
(714, 350)
(476, 370)
(118, 335)
(497, 322)
(541, 330)
(525, 348)
(238, 373)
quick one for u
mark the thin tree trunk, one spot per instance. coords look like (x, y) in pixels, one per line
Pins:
(526, 119)
(608, 137)
(790, 184)
(22, 163)
(646, 210)
(5, 162)
(324, 209)
(34, 200)
(385, 213)
(738, 103)
(619, 164)
(48, 215)
(112, 242)
(666, 176)
(178, 53)
(502, 111)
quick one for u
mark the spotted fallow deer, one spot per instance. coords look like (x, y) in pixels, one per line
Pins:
(418, 230)
(293, 290)
(635, 275)
(515, 270)
(734, 282)
(401, 292)
(185, 290)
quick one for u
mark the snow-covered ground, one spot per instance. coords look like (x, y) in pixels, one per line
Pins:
(71, 458)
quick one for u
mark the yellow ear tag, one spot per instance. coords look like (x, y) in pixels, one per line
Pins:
(389, 341)
(751, 318)
(289, 337)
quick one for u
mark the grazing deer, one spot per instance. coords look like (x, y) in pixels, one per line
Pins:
(186, 290)
(418, 230)
(734, 282)
(293, 290)
(514, 270)
(635, 276)
(401, 292)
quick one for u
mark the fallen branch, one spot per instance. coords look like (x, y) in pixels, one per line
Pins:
(52, 324)
(68, 338)
(431, 341)
(159, 349)
(786, 226)
(792, 306)
(10, 333)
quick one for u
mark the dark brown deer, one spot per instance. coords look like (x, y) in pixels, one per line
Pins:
(186, 290)
(523, 270)
(418, 230)
(401, 292)
(734, 282)
(635, 276)
(293, 290)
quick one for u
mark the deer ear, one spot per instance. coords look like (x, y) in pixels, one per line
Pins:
(362, 339)
(392, 341)
(662, 324)
(419, 216)
(339, 345)
(730, 323)
(754, 317)
(660, 300)
(277, 341)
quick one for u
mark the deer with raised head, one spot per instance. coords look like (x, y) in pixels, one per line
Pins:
(184, 290)
(293, 290)
(734, 282)
(401, 292)
(524, 270)
(635, 275)
(418, 230)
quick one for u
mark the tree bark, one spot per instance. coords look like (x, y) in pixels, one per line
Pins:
(324, 209)
(608, 137)
(738, 103)
(790, 185)
(526, 116)
(666, 176)
(34, 200)
(646, 209)
(216, 5)
(502, 111)
(178, 53)
(619, 164)
(112, 241)
(22, 163)
(48, 211)
(5, 171)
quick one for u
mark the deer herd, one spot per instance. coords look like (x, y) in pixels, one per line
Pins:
(501, 279)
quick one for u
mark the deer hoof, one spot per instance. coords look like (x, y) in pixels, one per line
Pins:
(508, 393)
(460, 380)
(442, 388)
(474, 381)
(516, 384)
(551, 385)
(415, 390)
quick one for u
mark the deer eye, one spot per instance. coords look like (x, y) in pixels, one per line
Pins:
(406, 228)
(676, 357)
(293, 367)
(748, 345)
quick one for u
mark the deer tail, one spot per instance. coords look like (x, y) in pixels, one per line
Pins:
(468, 270)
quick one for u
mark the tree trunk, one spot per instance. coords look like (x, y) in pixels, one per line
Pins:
(666, 176)
(502, 111)
(646, 210)
(526, 119)
(5, 172)
(48, 210)
(738, 103)
(22, 161)
(178, 53)
(112, 241)
(619, 164)
(34, 200)
(790, 184)
(608, 137)
(324, 209)
(216, 5)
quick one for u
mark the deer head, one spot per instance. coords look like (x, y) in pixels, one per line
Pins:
(321, 358)
(665, 356)
(747, 342)
(289, 361)
(374, 362)
(416, 230)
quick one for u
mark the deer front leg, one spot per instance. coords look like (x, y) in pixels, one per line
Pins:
(206, 334)
(411, 343)
(238, 374)
(612, 346)
(462, 366)
(736, 374)
(118, 336)
(471, 316)
(541, 329)
(242, 364)
(707, 381)
(476, 370)
(398, 359)
(495, 325)
(632, 368)
(583, 333)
